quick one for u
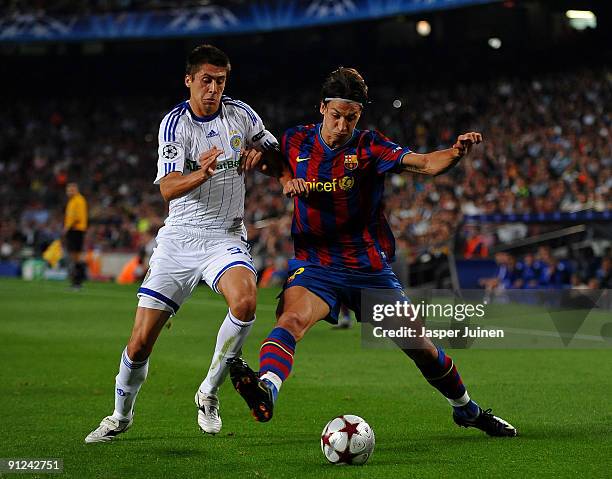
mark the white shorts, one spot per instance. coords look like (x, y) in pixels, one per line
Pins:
(180, 261)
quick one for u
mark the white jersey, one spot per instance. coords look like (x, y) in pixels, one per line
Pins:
(215, 208)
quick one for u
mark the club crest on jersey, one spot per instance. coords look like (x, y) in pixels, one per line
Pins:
(236, 141)
(350, 162)
(346, 183)
(169, 151)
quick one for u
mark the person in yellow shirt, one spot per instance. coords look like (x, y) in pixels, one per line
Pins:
(75, 226)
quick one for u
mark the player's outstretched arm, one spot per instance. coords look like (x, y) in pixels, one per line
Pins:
(439, 162)
(174, 185)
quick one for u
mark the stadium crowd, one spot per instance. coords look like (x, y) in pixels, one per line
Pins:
(548, 148)
(542, 270)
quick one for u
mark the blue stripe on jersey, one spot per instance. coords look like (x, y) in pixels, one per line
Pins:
(172, 124)
(172, 131)
(301, 170)
(169, 168)
(245, 107)
(171, 115)
(168, 119)
(374, 220)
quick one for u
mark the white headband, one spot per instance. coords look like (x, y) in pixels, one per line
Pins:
(343, 99)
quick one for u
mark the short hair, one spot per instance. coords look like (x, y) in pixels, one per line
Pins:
(345, 83)
(206, 54)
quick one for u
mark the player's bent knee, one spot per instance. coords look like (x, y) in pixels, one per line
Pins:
(243, 309)
(293, 322)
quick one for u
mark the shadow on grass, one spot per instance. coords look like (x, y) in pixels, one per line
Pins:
(137, 439)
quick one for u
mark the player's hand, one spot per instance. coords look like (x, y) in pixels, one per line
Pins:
(464, 143)
(295, 187)
(208, 161)
(249, 159)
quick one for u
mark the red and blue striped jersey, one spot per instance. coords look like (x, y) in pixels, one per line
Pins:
(342, 223)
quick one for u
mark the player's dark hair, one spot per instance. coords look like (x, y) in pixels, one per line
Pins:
(206, 54)
(345, 83)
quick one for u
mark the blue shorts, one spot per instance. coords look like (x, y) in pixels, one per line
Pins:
(338, 286)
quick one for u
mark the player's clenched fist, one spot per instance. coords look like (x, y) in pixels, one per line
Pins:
(465, 142)
(208, 161)
(295, 187)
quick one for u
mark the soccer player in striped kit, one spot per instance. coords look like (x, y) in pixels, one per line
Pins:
(205, 145)
(343, 244)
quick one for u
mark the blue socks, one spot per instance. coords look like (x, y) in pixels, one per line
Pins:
(470, 411)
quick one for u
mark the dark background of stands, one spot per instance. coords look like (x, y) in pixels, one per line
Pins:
(535, 40)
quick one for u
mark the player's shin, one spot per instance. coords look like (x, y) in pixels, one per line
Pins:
(442, 374)
(127, 384)
(276, 358)
(230, 338)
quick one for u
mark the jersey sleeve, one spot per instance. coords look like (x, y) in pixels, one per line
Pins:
(171, 151)
(256, 134)
(387, 153)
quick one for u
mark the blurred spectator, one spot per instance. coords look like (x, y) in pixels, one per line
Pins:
(134, 270)
(506, 274)
(528, 272)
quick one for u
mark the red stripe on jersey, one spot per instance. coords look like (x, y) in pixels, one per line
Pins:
(290, 148)
(313, 205)
(341, 211)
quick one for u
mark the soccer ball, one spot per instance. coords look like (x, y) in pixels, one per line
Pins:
(347, 439)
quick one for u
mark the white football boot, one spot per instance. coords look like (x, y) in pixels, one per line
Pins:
(108, 429)
(209, 418)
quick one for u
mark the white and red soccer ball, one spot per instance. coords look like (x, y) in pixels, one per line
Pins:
(347, 439)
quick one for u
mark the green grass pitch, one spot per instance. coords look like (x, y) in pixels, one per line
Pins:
(60, 351)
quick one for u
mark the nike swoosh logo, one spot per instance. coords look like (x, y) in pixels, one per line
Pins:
(298, 159)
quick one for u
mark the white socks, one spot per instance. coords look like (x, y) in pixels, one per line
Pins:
(274, 379)
(132, 374)
(230, 339)
(460, 402)
(127, 384)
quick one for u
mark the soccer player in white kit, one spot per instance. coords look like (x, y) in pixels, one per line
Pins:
(205, 146)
